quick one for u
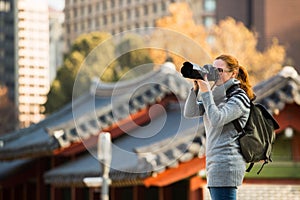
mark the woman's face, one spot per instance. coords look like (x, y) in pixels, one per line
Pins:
(224, 72)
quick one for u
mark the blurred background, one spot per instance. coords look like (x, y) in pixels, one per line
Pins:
(44, 43)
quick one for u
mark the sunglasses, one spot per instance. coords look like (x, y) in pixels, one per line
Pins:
(222, 70)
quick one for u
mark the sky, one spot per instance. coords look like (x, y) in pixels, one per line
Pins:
(57, 4)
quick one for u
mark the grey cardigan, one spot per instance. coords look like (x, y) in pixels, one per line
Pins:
(225, 166)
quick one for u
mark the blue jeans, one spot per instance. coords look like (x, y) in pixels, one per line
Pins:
(222, 193)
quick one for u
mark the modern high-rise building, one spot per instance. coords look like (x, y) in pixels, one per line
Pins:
(116, 16)
(24, 56)
(8, 40)
(33, 62)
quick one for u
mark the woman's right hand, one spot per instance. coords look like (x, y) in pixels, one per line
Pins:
(203, 85)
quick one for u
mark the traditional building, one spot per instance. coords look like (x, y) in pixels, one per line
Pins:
(156, 153)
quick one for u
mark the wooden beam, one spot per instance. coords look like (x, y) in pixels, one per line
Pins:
(173, 175)
(196, 188)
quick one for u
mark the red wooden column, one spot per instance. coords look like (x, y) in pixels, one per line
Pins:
(41, 167)
(56, 193)
(296, 146)
(165, 192)
(196, 188)
(138, 192)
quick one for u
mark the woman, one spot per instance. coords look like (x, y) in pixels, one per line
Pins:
(225, 165)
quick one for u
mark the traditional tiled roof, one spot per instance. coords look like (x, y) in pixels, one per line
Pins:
(181, 144)
(103, 106)
(168, 140)
(279, 90)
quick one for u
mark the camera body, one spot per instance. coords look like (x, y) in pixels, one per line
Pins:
(193, 71)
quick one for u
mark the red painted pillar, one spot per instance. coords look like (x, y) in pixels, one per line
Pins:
(296, 146)
(196, 188)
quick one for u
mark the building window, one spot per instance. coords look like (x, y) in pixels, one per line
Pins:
(104, 5)
(75, 27)
(120, 2)
(163, 6)
(1, 53)
(2, 37)
(82, 11)
(137, 13)
(145, 9)
(112, 3)
(128, 13)
(97, 22)
(154, 8)
(121, 17)
(75, 12)
(98, 6)
(4, 6)
(105, 20)
(209, 21)
(90, 9)
(210, 5)
(90, 24)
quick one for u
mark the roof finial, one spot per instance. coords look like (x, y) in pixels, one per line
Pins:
(169, 65)
(288, 71)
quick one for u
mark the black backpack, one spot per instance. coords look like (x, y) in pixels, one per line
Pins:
(258, 135)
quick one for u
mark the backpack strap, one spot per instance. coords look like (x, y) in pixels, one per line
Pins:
(250, 167)
(238, 127)
(235, 89)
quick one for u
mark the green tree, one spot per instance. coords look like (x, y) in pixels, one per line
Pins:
(88, 58)
(96, 55)
(132, 53)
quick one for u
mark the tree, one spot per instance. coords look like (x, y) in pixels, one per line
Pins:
(234, 38)
(228, 36)
(95, 55)
(80, 65)
(8, 112)
(179, 37)
(131, 53)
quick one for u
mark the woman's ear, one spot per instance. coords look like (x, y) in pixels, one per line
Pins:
(234, 74)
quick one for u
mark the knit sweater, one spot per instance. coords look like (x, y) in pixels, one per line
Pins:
(225, 166)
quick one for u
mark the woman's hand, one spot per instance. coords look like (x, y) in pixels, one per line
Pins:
(203, 84)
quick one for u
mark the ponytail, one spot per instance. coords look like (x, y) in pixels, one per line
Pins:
(243, 77)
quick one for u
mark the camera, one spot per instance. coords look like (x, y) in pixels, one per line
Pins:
(193, 71)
